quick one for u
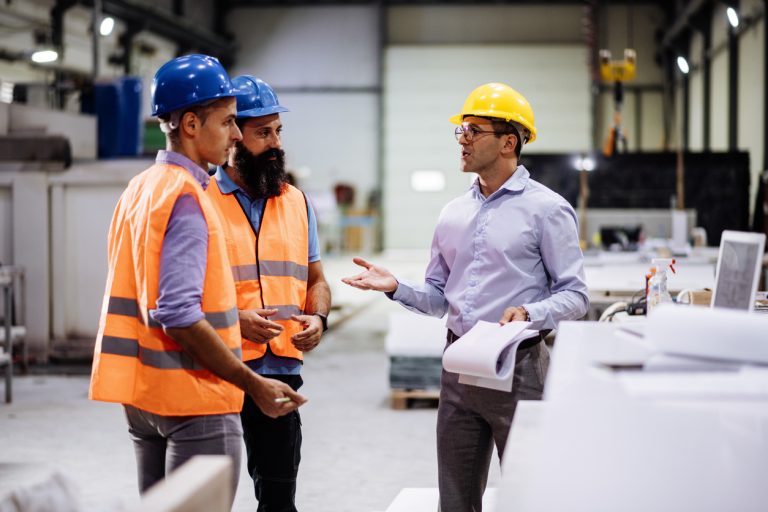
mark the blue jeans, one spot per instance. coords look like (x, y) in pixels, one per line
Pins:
(163, 443)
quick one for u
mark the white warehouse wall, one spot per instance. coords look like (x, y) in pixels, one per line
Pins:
(329, 84)
(484, 24)
(305, 53)
(423, 89)
(751, 91)
(718, 101)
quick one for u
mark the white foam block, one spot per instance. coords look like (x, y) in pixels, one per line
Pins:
(415, 335)
(709, 332)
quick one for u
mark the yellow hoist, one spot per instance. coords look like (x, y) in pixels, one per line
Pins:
(618, 72)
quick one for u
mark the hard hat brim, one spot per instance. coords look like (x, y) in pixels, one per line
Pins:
(261, 112)
(232, 93)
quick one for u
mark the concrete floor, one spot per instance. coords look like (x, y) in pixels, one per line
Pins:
(358, 453)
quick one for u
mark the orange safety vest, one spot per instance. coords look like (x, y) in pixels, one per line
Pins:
(270, 267)
(134, 361)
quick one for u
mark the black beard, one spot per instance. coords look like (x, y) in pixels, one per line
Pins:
(262, 176)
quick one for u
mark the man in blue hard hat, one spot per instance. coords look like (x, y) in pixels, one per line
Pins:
(168, 346)
(282, 295)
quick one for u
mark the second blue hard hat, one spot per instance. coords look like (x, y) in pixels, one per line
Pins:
(189, 80)
(256, 98)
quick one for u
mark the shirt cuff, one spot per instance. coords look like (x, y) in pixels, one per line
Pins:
(177, 319)
(400, 293)
(534, 313)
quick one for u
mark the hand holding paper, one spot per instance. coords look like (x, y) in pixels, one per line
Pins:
(485, 356)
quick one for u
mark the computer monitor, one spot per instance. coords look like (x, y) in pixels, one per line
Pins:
(738, 270)
(626, 237)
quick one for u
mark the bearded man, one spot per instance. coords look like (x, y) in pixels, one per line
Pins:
(282, 295)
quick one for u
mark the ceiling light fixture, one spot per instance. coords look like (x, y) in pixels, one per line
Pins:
(43, 56)
(584, 163)
(107, 24)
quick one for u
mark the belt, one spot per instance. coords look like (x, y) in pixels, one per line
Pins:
(526, 343)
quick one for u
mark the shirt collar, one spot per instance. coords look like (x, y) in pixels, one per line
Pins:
(173, 158)
(226, 185)
(515, 183)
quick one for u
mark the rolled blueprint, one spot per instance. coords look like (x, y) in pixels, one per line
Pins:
(485, 356)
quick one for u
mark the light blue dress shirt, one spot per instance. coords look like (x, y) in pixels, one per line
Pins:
(517, 247)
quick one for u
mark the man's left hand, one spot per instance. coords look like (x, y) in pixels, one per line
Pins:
(309, 338)
(514, 314)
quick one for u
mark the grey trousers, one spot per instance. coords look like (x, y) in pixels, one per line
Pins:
(163, 443)
(470, 420)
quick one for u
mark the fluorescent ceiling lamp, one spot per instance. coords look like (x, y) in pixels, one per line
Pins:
(107, 24)
(683, 65)
(584, 163)
(427, 181)
(733, 17)
(43, 56)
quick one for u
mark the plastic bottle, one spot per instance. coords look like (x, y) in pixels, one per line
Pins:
(657, 285)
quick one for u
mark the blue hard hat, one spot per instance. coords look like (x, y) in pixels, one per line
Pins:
(256, 97)
(189, 80)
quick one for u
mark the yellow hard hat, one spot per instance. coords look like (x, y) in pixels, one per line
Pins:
(499, 101)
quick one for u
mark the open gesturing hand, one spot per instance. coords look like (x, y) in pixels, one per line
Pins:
(373, 278)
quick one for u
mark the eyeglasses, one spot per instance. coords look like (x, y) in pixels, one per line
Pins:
(469, 131)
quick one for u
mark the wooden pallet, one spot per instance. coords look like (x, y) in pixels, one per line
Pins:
(404, 398)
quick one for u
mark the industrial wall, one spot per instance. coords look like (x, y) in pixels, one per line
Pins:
(370, 91)
(422, 61)
(330, 86)
(148, 50)
(750, 109)
(636, 27)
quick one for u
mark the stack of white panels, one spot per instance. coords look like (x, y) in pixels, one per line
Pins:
(415, 346)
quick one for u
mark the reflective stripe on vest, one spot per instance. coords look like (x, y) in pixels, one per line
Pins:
(154, 358)
(129, 307)
(279, 276)
(135, 362)
(270, 268)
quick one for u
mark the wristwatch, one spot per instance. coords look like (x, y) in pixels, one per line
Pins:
(324, 319)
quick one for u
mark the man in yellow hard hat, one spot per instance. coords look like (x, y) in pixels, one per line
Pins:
(506, 250)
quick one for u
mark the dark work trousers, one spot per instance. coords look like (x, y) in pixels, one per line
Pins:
(471, 419)
(273, 446)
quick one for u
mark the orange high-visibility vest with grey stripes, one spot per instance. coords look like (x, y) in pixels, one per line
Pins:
(134, 361)
(270, 267)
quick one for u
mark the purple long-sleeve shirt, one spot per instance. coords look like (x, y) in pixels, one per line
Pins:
(517, 247)
(184, 254)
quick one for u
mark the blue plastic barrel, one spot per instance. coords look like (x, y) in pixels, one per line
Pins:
(117, 106)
